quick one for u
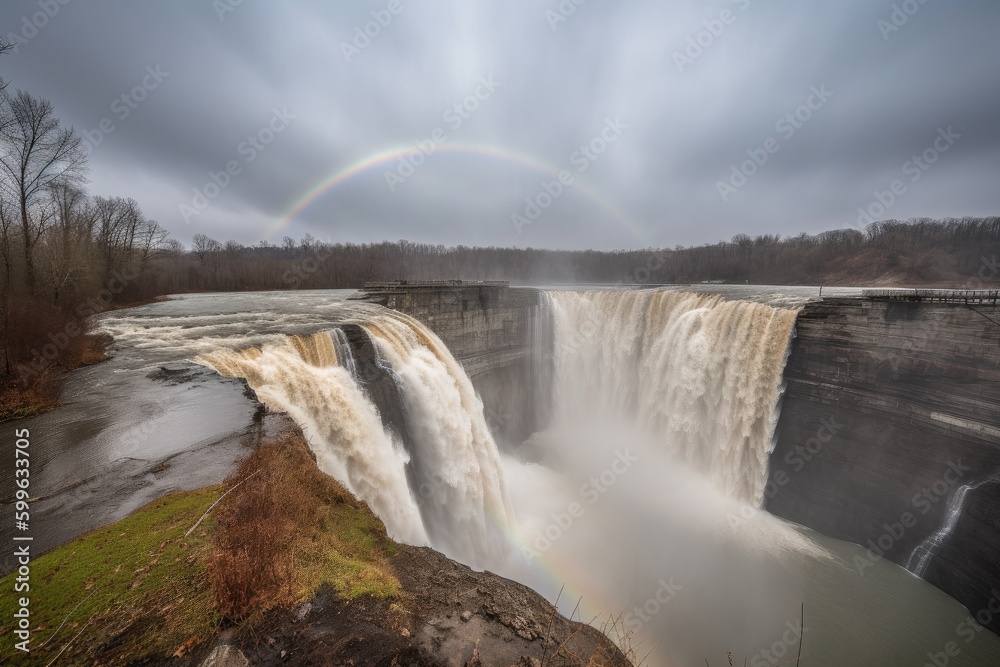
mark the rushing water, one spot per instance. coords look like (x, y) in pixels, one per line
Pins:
(701, 374)
(922, 555)
(466, 511)
(640, 495)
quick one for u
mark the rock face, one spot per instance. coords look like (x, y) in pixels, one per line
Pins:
(462, 613)
(889, 437)
(447, 616)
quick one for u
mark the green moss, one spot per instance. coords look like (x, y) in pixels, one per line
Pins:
(347, 551)
(140, 584)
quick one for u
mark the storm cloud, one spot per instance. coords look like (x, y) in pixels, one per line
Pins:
(735, 116)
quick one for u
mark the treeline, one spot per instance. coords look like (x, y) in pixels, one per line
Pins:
(64, 255)
(942, 252)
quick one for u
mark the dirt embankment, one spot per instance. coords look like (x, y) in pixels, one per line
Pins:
(59, 342)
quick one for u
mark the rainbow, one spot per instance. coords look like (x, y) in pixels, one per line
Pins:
(383, 157)
(562, 573)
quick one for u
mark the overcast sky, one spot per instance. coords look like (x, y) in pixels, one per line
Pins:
(669, 97)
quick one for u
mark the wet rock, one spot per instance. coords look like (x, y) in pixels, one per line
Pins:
(303, 611)
(225, 656)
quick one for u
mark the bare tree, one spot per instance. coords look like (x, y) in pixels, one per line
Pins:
(151, 239)
(232, 253)
(203, 246)
(5, 46)
(7, 227)
(118, 220)
(208, 251)
(66, 246)
(173, 247)
(37, 153)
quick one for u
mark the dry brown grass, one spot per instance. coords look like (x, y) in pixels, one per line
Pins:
(93, 350)
(287, 529)
(19, 400)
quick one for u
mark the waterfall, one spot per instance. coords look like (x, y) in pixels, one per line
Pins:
(925, 552)
(343, 351)
(700, 374)
(455, 463)
(446, 486)
(300, 376)
(317, 350)
(540, 341)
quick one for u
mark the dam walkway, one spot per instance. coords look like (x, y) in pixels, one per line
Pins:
(934, 295)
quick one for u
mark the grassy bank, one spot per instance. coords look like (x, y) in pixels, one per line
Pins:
(151, 587)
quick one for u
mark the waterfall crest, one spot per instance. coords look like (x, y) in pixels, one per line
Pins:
(444, 484)
(701, 374)
(300, 376)
(455, 464)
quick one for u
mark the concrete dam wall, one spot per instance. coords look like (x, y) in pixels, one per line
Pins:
(889, 437)
(889, 432)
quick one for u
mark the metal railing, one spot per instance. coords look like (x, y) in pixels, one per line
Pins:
(411, 284)
(936, 295)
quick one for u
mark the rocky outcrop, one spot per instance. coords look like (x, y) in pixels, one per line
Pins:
(447, 616)
(891, 410)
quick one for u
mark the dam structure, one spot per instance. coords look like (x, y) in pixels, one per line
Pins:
(883, 428)
(909, 394)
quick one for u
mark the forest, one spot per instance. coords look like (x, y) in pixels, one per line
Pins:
(68, 254)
